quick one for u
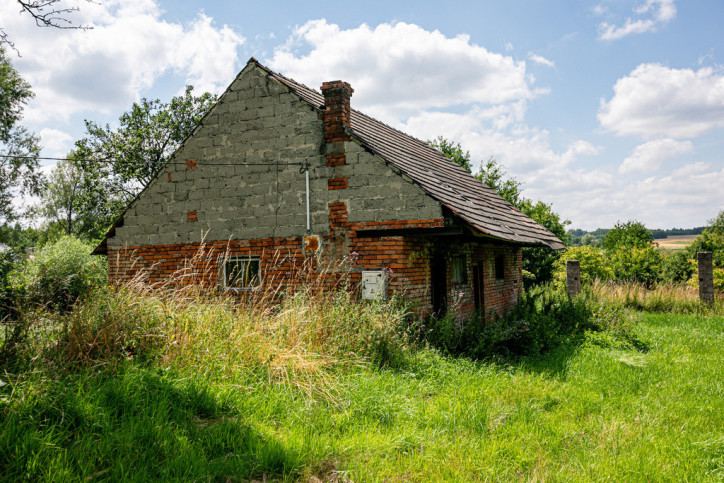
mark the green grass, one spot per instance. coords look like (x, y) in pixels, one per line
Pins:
(592, 411)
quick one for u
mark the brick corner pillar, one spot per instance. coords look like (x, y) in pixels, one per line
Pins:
(573, 277)
(706, 277)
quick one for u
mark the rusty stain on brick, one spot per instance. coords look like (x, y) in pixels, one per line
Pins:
(311, 243)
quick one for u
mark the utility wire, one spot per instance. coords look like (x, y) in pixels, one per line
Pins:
(298, 163)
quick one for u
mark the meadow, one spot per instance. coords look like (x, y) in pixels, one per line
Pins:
(677, 242)
(135, 385)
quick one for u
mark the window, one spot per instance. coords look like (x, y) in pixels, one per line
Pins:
(459, 269)
(500, 267)
(241, 273)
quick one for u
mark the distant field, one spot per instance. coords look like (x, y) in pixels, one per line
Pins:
(675, 242)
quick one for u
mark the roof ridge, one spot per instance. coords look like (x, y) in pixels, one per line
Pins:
(420, 141)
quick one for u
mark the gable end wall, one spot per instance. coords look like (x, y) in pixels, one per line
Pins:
(258, 120)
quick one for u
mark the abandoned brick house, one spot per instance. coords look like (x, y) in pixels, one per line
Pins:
(277, 174)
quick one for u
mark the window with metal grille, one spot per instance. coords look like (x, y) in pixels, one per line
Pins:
(241, 273)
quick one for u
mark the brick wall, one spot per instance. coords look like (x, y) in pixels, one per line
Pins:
(284, 265)
(342, 256)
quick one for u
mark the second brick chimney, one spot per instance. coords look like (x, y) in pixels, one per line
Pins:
(336, 110)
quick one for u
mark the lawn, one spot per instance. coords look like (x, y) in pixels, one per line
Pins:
(592, 410)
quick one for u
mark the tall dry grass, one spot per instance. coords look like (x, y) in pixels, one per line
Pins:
(673, 298)
(302, 337)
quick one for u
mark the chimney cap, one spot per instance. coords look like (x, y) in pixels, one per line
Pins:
(330, 88)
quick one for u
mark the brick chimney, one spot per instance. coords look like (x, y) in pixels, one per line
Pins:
(336, 110)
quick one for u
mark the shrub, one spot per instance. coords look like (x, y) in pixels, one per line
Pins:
(718, 278)
(676, 268)
(594, 265)
(637, 264)
(543, 318)
(58, 275)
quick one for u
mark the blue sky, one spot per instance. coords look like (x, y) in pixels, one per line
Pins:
(610, 110)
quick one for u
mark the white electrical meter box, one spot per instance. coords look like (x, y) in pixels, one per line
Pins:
(374, 285)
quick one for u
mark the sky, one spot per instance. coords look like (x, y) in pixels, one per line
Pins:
(610, 110)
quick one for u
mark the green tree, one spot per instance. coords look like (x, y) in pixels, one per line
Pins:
(675, 267)
(539, 260)
(495, 175)
(129, 157)
(716, 224)
(632, 252)
(453, 151)
(71, 202)
(631, 234)
(711, 240)
(19, 149)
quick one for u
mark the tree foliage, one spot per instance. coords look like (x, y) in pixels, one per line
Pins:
(539, 260)
(625, 235)
(19, 149)
(453, 151)
(72, 202)
(711, 240)
(495, 175)
(130, 156)
(637, 264)
(58, 275)
(593, 262)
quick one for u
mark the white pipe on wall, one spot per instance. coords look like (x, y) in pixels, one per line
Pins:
(306, 175)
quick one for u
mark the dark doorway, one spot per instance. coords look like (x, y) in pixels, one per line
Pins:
(438, 279)
(478, 287)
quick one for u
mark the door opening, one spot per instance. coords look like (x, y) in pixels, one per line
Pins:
(438, 280)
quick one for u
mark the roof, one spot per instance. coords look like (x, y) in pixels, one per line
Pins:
(442, 179)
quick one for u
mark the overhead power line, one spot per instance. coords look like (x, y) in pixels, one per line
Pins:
(180, 163)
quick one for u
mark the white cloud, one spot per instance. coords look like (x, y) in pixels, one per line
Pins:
(651, 155)
(685, 197)
(658, 101)
(599, 10)
(56, 143)
(541, 60)
(499, 132)
(128, 49)
(655, 13)
(397, 69)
